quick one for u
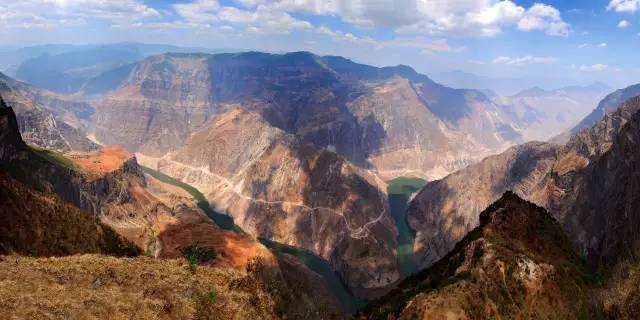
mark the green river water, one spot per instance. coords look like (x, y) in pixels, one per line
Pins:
(399, 190)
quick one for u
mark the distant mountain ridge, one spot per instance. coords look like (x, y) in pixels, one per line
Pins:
(83, 69)
(541, 114)
(467, 117)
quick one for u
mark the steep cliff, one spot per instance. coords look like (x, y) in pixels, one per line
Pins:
(357, 110)
(278, 188)
(46, 119)
(568, 180)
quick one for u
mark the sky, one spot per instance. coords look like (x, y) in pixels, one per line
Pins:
(554, 42)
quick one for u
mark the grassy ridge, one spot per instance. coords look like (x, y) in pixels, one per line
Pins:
(53, 156)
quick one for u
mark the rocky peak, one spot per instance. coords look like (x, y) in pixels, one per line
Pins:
(517, 263)
(532, 92)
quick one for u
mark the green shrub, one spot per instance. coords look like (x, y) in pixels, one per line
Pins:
(192, 263)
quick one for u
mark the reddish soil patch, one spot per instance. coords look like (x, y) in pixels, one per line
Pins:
(231, 249)
(107, 159)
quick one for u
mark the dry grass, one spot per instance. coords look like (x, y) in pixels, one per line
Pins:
(101, 287)
(40, 224)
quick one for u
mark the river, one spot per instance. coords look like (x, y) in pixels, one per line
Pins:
(320, 266)
(399, 191)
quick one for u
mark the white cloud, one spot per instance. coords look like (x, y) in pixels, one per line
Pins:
(426, 45)
(624, 24)
(599, 67)
(47, 14)
(435, 17)
(522, 60)
(624, 5)
(576, 11)
(602, 45)
(201, 11)
(261, 19)
(544, 18)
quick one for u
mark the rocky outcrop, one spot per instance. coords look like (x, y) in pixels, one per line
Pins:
(407, 139)
(445, 210)
(567, 180)
(278, 188)
(517, 263)
(40, 116)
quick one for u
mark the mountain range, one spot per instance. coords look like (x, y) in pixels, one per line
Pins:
(269, 172)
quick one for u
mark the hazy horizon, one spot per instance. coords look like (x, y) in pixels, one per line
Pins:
(548, 44)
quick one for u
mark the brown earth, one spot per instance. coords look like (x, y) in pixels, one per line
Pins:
(106, 159)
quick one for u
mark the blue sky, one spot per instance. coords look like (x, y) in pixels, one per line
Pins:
(554, 42)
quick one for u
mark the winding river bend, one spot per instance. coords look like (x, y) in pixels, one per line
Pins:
(320, 266)
(399, 191)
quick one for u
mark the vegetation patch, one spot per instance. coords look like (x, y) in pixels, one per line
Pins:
(53, 157)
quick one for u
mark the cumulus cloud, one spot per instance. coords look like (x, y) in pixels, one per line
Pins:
(435, 17)
(417, 17)
(46, 14)
(624, 5)
(624, 24)
(544, 18)
(522, 60)
(261, 19)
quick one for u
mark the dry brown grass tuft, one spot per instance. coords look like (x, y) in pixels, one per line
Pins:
(101, 287)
